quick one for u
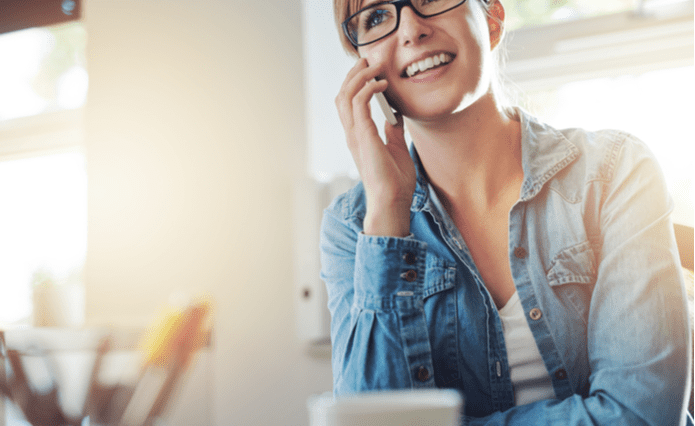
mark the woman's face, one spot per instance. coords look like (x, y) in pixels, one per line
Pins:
(459, 40)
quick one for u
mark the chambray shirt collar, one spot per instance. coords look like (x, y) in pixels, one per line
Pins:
(421, 195)
(544, 152)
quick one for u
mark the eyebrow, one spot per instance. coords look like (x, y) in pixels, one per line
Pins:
(367, 3)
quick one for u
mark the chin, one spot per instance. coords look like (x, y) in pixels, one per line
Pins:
(431, 110)
(437, 104)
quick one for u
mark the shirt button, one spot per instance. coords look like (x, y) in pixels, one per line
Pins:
(410, 275)
(520, 253)
(535, 314)
(423, 374)
(410, 258)
(561, 374)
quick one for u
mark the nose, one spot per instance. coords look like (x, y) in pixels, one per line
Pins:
(412, 28)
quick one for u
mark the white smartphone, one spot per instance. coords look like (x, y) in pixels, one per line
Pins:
(386, 108)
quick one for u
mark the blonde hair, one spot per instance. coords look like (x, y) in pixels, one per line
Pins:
(341, 10)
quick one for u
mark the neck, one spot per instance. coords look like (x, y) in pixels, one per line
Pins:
(472, 153)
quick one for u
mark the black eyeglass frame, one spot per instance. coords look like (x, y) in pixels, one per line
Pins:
(400, 4)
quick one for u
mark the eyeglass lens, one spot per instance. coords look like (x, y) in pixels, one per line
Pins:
(375, 22)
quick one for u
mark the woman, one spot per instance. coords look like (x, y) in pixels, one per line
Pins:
(533, 269)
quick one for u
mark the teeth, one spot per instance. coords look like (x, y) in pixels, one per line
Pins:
(428, 63)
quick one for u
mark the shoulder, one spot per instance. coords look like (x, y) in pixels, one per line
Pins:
(582, 155)
(577, 163)
(604, 152)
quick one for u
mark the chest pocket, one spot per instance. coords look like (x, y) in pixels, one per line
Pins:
(572, 276)
(440, 275)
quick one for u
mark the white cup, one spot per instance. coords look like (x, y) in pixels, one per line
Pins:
(430, 407)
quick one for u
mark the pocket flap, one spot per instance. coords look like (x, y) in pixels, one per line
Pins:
(440, 275)
(576, 264)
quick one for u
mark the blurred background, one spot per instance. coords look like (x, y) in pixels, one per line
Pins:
(154, 151)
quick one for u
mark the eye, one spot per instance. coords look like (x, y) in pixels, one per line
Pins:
(375, 17)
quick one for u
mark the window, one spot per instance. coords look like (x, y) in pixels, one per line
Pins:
(48, 71)
(43, 184)
(535, 13)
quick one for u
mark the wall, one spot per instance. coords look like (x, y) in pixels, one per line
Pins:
(195, 134)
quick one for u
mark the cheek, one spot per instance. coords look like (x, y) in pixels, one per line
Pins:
(376, 58)
(373, 54)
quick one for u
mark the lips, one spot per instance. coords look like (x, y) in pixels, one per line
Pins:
(428, 63)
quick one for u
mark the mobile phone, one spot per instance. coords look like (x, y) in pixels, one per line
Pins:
(386, 108)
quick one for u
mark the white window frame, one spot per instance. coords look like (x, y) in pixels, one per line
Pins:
(631, 42)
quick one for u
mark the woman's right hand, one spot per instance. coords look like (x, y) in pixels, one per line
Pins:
(387, 171)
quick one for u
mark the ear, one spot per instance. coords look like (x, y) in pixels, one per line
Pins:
(495, 22)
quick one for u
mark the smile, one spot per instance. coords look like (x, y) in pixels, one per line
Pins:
(429, 63)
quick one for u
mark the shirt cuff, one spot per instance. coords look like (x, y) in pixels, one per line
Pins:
(388, 267)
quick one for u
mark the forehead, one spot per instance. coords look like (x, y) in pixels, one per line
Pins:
(355, 5)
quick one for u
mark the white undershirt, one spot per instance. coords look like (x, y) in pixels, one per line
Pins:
(529, 376)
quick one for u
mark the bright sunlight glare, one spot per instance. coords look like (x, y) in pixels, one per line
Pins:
(43, 225)
(656, 107)
(25, 90)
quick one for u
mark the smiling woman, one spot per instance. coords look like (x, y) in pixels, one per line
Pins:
(496, 255)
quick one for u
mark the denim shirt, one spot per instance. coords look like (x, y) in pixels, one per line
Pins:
(596, 267)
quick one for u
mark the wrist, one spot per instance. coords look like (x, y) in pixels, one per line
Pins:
(390, 222)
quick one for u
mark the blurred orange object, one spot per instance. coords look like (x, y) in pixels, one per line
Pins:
(168, 348)
(176, 335)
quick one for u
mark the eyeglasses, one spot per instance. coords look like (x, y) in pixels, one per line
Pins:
(380, 20)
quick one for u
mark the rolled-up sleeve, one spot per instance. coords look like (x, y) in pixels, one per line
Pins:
(375, 296)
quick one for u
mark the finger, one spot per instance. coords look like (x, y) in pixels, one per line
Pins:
(352, 85)
(361, 101)
(356, 77)
(354, 82)
(343, 98)
(359, 66)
